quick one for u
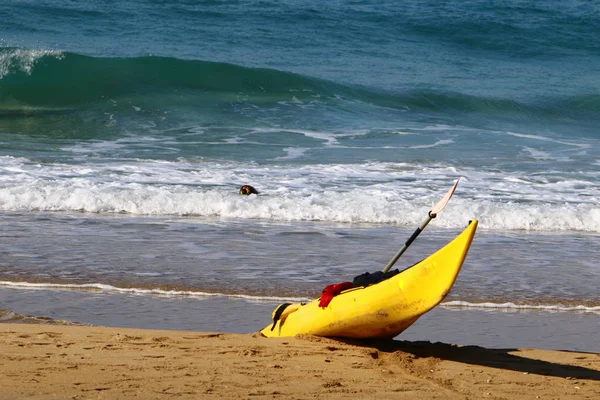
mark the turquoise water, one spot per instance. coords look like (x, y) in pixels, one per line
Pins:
(127, 128)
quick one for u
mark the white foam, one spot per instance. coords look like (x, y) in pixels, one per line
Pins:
(516, 307)
(23, 60)
(328, 138)
(436, 144)
(292, 153)
(537, 154)
(545, 139)
(386, 193)
(99, 287)
(443, 128)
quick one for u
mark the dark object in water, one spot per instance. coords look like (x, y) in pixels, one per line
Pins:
(248, 190)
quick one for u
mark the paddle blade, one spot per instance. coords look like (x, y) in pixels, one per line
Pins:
(442, 203)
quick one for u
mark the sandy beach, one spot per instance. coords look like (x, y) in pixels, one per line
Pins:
(40, 361)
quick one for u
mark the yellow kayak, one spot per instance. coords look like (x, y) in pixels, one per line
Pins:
(385, 309)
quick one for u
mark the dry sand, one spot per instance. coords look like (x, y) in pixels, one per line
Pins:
(41, 361)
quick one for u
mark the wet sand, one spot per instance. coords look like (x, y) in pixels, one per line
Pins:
(42, 361)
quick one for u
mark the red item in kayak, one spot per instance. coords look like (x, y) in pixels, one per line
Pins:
(333, 290)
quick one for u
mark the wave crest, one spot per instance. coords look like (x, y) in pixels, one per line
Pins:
(14, 60)
(43, 78)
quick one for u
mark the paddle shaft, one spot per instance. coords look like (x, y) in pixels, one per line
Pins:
(411, 239)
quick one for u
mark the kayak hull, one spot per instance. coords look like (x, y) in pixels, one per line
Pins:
(387, 308)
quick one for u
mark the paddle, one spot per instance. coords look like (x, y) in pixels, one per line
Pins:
(432, 214)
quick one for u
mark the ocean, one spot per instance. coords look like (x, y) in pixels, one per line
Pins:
(127, 129)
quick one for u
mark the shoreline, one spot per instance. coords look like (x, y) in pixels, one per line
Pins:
(490, 328)
(42, 361)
